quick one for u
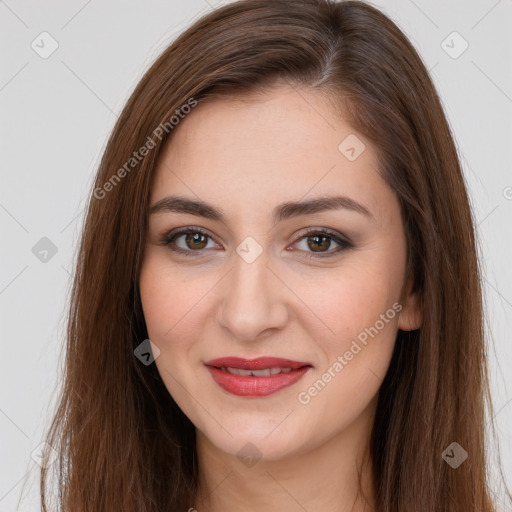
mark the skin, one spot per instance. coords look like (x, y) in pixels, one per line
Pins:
(246, 155)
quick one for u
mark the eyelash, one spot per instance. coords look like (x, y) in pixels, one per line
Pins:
(343, 243)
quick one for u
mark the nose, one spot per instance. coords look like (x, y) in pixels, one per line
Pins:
(253, 300)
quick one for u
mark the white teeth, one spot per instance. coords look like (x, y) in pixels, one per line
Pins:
(261, 373)
(257, 373)
(238, 371)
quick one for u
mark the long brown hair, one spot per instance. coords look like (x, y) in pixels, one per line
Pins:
(123, 443)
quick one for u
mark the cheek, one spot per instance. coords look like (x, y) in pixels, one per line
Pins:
(356, 357)
(170, 305)
(168, 300)
(349, 299)
(176, 306)
(359, 305)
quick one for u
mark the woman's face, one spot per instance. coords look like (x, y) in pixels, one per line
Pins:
(251, 275)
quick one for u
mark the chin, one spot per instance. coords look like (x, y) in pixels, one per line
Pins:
(264, 443)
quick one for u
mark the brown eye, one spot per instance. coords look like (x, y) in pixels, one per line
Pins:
(196, 240)
(189, 241)
(318, 243)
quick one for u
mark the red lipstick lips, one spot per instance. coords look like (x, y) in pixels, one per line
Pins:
(255, 377)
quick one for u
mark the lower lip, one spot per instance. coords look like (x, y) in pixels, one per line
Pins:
(250, 385)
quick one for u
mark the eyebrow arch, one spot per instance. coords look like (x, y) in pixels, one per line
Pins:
(281, 212)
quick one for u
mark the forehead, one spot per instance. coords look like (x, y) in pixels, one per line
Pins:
(289, 122)
(266, 148)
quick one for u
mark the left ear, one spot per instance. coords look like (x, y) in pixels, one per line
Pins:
(411, 315)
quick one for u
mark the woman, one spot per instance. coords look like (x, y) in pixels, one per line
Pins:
(277, 302)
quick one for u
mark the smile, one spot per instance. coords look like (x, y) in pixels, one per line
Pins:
(256, 377)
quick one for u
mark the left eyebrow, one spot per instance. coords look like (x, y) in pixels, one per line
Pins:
(294, 209)
(281, 212)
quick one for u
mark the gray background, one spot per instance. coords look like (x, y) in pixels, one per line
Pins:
(56, 116)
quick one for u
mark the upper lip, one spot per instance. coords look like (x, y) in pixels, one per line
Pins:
(261, 363)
